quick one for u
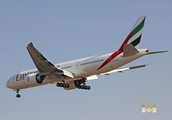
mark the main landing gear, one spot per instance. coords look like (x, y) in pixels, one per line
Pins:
(80, 84)
(63, 84)
(17, 95)
(85, 87)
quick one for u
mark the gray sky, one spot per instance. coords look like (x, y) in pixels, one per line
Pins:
(70, 29)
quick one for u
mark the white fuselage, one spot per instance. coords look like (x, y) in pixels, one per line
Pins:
(80, 68)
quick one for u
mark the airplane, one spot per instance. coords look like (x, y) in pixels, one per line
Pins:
(74, 74)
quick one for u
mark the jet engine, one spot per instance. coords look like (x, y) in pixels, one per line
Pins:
(33, 79)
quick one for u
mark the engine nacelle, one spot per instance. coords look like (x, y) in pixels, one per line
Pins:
(39, 78)
(34, 79)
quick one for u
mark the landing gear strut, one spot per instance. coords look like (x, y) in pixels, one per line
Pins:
(63, 84)
(17, 95)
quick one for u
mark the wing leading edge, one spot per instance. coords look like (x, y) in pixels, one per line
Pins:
(44, 66)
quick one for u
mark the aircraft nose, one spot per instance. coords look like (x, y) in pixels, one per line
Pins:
(9, 82)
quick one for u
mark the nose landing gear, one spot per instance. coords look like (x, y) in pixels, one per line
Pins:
(17, 95)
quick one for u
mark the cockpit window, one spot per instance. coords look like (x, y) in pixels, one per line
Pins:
(8, 81)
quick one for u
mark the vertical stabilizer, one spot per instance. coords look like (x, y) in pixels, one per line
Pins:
(135, 34)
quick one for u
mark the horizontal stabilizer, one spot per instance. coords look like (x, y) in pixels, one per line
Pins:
(156, 52)
(129, 50)
(123, 69)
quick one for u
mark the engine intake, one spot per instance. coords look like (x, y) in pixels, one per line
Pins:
(40, 78)
(34, 79)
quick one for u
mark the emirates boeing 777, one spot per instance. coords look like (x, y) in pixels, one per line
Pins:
(74, 74)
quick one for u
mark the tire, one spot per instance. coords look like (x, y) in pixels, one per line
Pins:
(88, 87)
(61, 85)
(67, 85)
(82, 87)
(58, 84)
(18, 96)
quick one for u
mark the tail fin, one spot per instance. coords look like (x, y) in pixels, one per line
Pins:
(135, 34)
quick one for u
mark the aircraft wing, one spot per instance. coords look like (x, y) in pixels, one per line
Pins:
(44, 66)
(123, 69)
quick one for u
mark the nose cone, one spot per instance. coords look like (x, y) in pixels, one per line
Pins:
(9, 82)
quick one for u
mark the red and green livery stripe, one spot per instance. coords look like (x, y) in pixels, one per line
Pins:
(132, 33)
(138, 26)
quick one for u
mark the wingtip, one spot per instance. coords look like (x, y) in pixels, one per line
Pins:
(143, 16)
(166, 51)
(157, 52)
(30, 44)
(149, 64)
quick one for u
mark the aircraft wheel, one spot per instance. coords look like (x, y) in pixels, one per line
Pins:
(88, 87)
(61, 85)
(58, 84)
(18, 96)
(67, 85)
(85, 87)
(82, 87)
